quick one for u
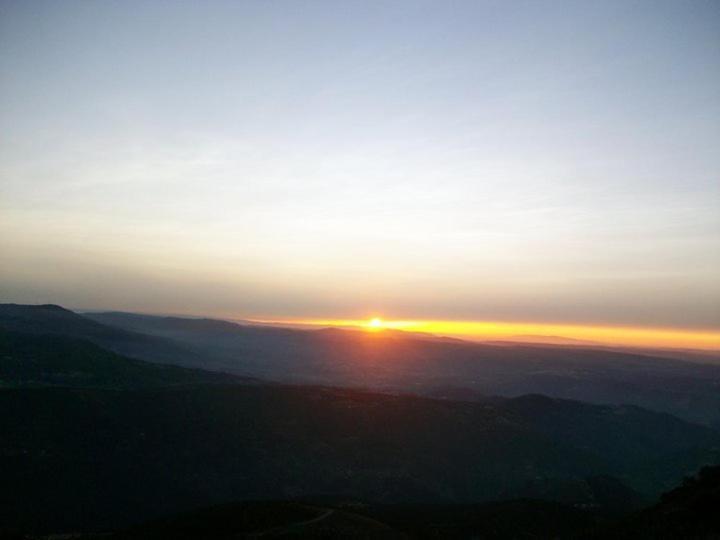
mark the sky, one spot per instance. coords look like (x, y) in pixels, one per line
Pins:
(542, 162)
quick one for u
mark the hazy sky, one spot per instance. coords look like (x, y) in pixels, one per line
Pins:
(522, 161)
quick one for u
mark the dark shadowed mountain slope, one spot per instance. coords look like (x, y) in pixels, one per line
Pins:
(622, 434)
(55, 320)
(56, 360)
(93, 458)
(399, 362)
(690, 511)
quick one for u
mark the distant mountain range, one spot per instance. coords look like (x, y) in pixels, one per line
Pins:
(399, 362)
(392, 361)
(94, 440)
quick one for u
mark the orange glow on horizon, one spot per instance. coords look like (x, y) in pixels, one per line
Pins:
(490, 330)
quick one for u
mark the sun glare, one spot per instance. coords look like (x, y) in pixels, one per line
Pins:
(375, 323)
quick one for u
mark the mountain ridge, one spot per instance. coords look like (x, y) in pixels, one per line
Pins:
(397, 362)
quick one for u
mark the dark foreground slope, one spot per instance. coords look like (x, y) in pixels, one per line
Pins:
(265, 520)
(92, 458)
(281, 519)
(434, 367)
(691, 511)
(688, 512)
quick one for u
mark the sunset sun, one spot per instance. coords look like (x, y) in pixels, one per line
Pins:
(375, 323)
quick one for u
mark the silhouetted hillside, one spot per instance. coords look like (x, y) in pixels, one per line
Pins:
(55, 320)
(56, 360)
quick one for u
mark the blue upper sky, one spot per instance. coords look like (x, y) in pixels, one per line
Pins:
(535, 161)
